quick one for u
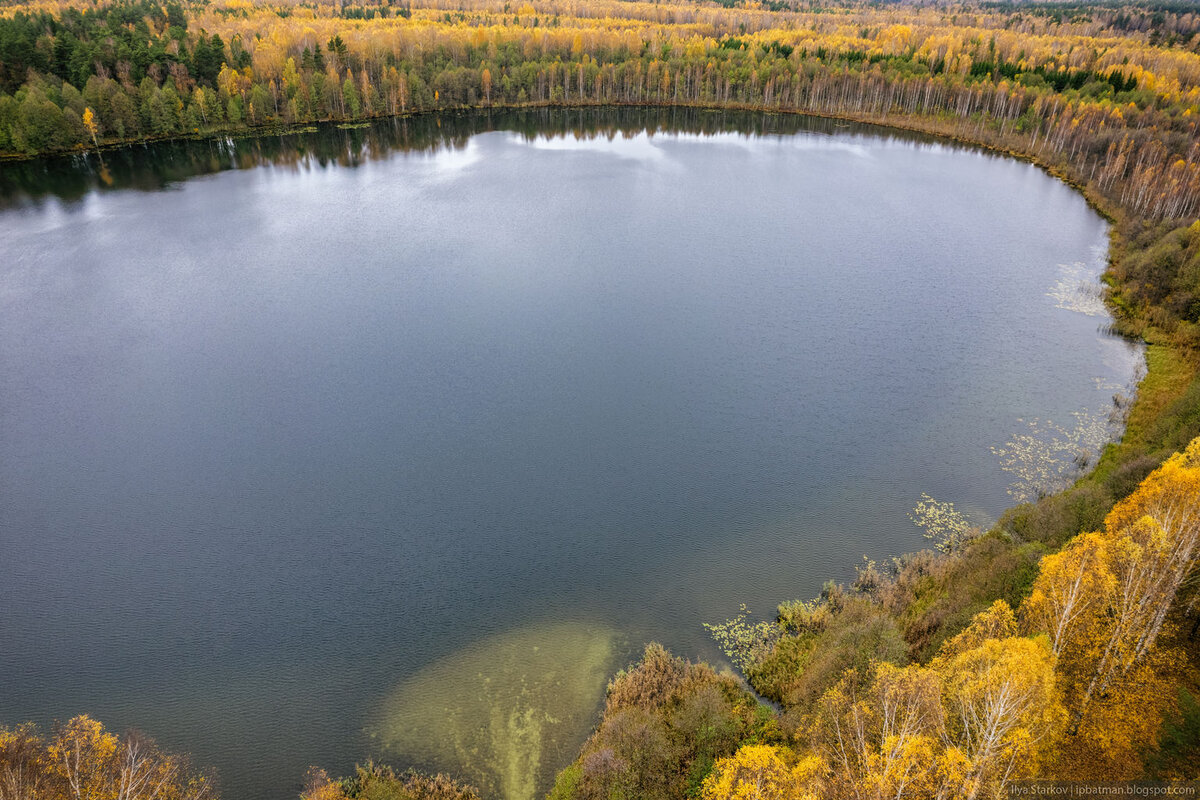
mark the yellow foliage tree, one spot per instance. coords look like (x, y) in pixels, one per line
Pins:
(83, 754)
(1103, 601)
(997, 622)
(90, 124)
(1004, 712)
(984, 712)
(762, 772)
(319, 786)
(83, 761)
(24, 766)
(885, 739)
(1067, 594)
(1113, 734)
(1161, 521)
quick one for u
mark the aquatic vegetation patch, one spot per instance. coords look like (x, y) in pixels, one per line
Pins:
(1049, 457)
(505, 712)
(941, 523)
(1078, 290)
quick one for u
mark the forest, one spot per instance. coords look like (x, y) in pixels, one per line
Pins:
(1090, 90)
(1061, 643)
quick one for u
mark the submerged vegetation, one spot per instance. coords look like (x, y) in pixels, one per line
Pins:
(1059, 643)
(507, 709)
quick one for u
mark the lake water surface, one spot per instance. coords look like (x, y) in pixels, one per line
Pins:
(398, 440)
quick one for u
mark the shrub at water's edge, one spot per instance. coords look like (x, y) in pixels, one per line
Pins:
(379, 782)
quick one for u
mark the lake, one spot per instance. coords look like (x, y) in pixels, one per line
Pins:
(398, 440)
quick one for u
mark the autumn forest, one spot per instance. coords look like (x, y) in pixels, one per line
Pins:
(1061, 643)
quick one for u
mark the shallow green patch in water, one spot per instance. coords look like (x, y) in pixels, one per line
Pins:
(508, 711)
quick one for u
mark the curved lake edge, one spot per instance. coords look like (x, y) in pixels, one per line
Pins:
(1141, 400)
(900, 122)
(893, 122)
(1123, 325)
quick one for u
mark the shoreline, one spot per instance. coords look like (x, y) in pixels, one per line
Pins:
(1149, 390)
(1113, 215)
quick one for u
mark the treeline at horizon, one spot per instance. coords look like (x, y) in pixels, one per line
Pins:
(1099, 92)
